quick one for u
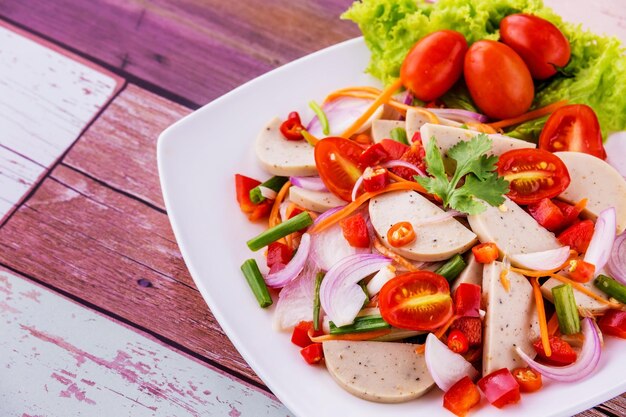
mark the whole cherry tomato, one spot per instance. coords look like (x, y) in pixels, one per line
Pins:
(434, 64)
(573, 128)
(542, 46)
(498, 80)
(337, 161)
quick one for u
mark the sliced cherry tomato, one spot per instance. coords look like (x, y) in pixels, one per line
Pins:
(467, 300)
(414, 155)
(278, 254)
(300, 335)
(461, 397)
(573, 128)
(355, 231)
(498, 80)
(416, 301)
(243, 185)
(292, 127)
(485, 252)
(581, 271)
(472, 328)
(374, 155)
(534, 174)
(542, 46)
(375, 179)
(528, 380)
(337, 161)
(457, 342)
(562, 352)
(578, 236)
(401, 234)
(614, 323)
(394, 149)
(434, 64)
(500, 388)
(313, 354)
(571, 212)
(547, 214)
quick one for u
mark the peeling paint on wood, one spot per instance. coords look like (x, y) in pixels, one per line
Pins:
(60, 359)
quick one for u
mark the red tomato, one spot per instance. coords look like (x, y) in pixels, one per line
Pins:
(562, 352)
(581, 271)
(461, 397)
(467, 300)
(570, 212)
(578, 236)
(414, 155)
(434, 64)
(373, 155)
(355, 231)
(614, 323)
(337, 161)
(573, 128)
(457, 342)
(485, 252)
(500, 388)
(278, 254)
(471, 327)
(300, 335)
(528, 380)
(400, 234)
(416, 301)
(394, 149)
(243, 185)
(313, 354)
(541, 45)
(533, 174)
(498, 80)
(547, 214)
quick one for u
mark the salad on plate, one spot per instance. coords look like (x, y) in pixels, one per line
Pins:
(461, 226)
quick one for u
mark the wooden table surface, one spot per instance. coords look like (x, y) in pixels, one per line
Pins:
(99, 315)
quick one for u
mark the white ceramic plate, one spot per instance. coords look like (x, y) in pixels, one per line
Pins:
(198, 157)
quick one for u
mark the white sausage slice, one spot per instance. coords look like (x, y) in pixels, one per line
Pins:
(435, 241)
(318, 201)
(279, 156)
(583, 301)
(598, 182)
(381, 129)
(383, 372)
(472, 274)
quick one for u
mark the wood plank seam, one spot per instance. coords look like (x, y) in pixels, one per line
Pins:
(169, 342)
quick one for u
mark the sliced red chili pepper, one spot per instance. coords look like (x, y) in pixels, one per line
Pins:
(471, 327)
(613, 323)
(500, 388)
(278, 253)
(547, 214)
(461, 397)
(578, 236)
(467, 300)
(375, 179)
(355, 231)
(562, 352)
(581, 271)
(313, 354)
(528, 380)
(243, 185)
(485, 252)
(374, 155)
(400, 234)
(292, 127)
(457, 342)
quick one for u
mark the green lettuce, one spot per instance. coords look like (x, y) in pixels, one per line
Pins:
(595, 75)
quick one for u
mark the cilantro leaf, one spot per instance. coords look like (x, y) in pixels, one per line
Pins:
(437, 184)
(491, 189)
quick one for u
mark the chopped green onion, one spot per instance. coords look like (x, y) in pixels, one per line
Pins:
(321, 116)
(566, 310)
(256, 282)
(274, 183)
(611, 287)
(399, 135)
(451, 269)
(316, 301)
(279, 231)
(361, 324)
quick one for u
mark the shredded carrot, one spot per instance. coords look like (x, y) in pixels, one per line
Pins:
(396, 177)
(539, 274)
(438, 333)
(274, 218)
(580, 206)
(351, 207)
(394, 256)
(504, 280)
(541, 315)
(365, 89)
(585, 291)
(384, 97)
(481, 127)
(531, 115)
(349, 336)
(553, 324)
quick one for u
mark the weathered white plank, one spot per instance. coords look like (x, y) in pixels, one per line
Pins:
(46, 99)
(60, 359)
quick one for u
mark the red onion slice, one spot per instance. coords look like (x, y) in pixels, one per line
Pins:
(542, 261)
(599, 250)
(295, 301)
(617, 261)
(281, 278)
(327, 213)
(585, 364)
(340, 295)
(341, 113)
(356, 187)
(460, 115)
(309, 183)
(330, 246)
(399, 163)
(445, 366)
(615, 147)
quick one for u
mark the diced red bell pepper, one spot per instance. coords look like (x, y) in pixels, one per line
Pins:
(373, 155)
(614, 323)
(355, 231)
(294, 212)
(570, 212)
(300, 335)
(313, 354)
(375, 179)
(485, 252)
(528, 380)
(394, 148)
(457, 342)
(472, 328)
(578, 236)
(562, 352)
(414, 155)
(500, 388)
(278, 253)
(292, 127)
(581, 271)
(547, 214)
(467, 300)
(461, 397)
(243, 185)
